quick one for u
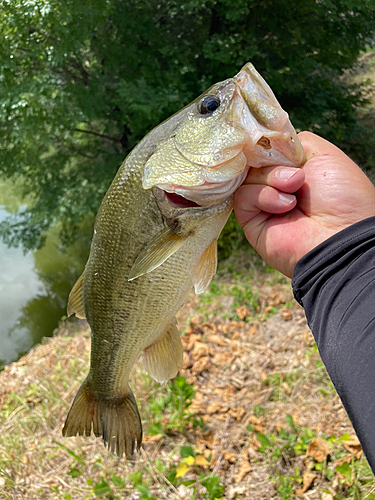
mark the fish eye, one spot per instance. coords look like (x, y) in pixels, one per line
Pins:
(208, 104)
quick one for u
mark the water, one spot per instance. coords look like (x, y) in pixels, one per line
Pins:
(34, 289)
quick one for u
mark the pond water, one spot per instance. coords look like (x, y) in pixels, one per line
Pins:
(34, 289)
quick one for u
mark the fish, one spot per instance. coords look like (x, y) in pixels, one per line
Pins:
(155, 238)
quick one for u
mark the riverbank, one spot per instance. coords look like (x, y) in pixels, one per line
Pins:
(252, 416)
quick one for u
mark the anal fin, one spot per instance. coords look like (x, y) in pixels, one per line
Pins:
(75, 302)
(163, 359)
(205, 269)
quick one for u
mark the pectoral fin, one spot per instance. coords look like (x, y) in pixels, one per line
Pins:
(205, 269)
(163, 359)
(75, 302)
(156, 252)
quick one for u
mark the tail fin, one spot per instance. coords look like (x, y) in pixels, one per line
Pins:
(117, 420)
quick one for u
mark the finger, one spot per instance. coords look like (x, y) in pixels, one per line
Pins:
(250, 199)
(286, 179)
(317, 147)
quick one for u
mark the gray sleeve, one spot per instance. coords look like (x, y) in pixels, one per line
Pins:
(335, 283)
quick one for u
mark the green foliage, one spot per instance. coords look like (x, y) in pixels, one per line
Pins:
(213, 486)
(287, 442)
(285, 487)
(169, 411)
(82, 82)
(287, 446)
(231, 238)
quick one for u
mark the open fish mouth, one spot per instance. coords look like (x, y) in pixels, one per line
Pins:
(178, 201)
(236, 125)
(205, 195)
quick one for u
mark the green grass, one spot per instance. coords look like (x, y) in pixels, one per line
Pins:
(37, 462)
(284, 449)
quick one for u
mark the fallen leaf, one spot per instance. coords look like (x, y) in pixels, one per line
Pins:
(276, 299)
(207, 439)
(193, 339)
(189, 460)
(210, 455)
(243, 312)
(307, 480)
(318, 449)
(200, 460)
(182, 469)
(353, 446)
(196, 321)
(223, 359)
(214, 407)
(211, 328)
(286, 388)
(243, 469)
(256, 420)
(231, 457)
(216, 339)
(253, 330)
(286, 314)
(199, 350)
(257, 423)
(229, 327)
(152, 438)
(186, 361)
(255, 443)
(225, 392)
(347, 459)
(237, 413)
(201, 365)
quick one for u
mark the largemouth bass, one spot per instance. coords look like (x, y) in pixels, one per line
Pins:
(155, 237)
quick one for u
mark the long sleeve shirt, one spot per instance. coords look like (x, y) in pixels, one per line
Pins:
(335, 284)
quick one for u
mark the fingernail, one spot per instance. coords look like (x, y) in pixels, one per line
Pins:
(286, 198)
(286, 173)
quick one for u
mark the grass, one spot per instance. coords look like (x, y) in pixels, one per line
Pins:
(241, 281)
(241, 428)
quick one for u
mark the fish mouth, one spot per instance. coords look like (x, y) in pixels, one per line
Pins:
(205, 195)
(178, 201)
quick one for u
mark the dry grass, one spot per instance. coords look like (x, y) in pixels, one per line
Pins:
(248, 375)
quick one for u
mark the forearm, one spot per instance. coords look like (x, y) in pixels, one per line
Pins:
(335, 283)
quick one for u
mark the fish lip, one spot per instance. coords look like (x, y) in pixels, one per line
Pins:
(204, 196)
(173, 210)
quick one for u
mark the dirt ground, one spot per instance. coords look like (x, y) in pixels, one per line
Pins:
(248, 375)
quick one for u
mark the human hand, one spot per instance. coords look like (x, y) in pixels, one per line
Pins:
(331, 193)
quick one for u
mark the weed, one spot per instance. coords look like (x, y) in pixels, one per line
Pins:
(284, 486)
(169, 411)
(283, 449)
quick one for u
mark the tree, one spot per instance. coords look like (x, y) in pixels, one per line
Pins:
(82, 81)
